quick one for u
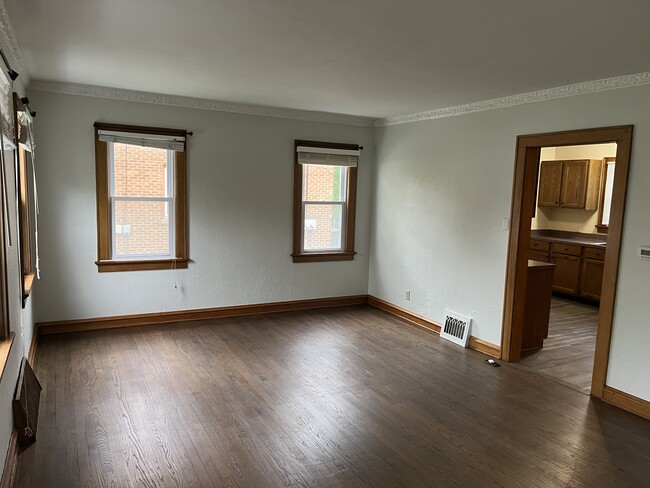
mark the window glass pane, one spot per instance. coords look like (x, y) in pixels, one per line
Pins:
(323, 227)
(141, 227)
(324, 183)
(139, 171)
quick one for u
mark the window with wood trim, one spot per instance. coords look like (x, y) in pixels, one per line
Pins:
(325, 196)
(26, 191)
(141, 198)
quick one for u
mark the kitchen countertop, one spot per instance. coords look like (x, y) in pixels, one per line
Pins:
(539, 264)
(577, 238)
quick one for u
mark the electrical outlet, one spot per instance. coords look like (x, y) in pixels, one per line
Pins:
(407, 295)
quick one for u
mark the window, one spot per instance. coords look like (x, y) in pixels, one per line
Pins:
(325, 184)
(7, 147)
(607, 188)
(27, 216)
(141, 198)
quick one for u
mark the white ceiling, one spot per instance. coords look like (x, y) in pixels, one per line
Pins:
(375, 58)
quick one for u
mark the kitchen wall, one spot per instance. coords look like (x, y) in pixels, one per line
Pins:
(571, 219)
(20, 320)
(442, 190)
(240, 170)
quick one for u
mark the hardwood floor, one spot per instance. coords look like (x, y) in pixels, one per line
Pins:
(348, 397)
(568, 352)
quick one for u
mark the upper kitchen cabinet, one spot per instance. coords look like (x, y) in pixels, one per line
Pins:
(570, 184)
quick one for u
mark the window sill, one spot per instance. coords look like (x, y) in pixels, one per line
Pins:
(5, 349)
(28, 282)
(323, 256)
(141, 265)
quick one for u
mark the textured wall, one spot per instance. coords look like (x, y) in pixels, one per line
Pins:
(240, 189)
(442, 188)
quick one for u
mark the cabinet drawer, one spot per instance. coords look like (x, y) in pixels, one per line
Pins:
(594, 253)
(566, 249)
(539, 245)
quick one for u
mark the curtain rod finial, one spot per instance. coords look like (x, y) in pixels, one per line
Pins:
(12, 74)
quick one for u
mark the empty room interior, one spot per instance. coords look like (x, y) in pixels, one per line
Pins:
(324, 244)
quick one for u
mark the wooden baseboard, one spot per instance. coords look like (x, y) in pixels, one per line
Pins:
(9, 472)
(31, 354)
(196, 314)
(474, 342)
(627, 402)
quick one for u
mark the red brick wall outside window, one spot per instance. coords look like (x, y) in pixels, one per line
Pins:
(140, 227)
(323, 223)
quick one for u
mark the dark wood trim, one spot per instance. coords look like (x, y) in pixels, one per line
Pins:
(5, 351)
(350, 208)
(180, 210)
(612, 258)
(524, 189)
(164, 131)
(527, 155)
(196, 314)
(31, 354)
(104, 261)
(474, 342)
(24, 209)
(318, 257)
(627, 402)
(484, 347)
(11, 462)
(141, 265)
(103, 207)
(28, 282)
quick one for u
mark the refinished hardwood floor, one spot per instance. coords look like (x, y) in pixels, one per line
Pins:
(568, 352)
(348, 397)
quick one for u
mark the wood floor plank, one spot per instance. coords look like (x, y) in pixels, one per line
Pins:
(349, 397)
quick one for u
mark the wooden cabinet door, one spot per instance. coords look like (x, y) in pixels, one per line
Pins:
(550, 182)
(574, 184)
(591, 279)
(566, 278)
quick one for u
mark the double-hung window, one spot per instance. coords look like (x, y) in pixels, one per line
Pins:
(325, 180)
(141, 198)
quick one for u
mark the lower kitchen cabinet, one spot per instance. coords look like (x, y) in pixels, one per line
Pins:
(566, 278)
(591, 278)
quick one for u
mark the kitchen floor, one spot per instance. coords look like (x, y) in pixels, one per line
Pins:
(568, 352)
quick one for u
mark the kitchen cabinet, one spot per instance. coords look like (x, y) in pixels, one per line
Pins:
(538, 251)
(591, 274)
(578, 267)
(566, 278)
(570, 184)
(538, 304)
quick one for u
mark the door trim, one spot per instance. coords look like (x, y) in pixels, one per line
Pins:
(523, 205)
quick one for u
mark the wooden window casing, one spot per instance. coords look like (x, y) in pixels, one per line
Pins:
(25, 221)
(348, 252)
(105, 261)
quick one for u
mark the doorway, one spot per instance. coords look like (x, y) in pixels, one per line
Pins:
(524, 202)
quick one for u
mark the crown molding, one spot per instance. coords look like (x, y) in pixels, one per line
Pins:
(198, 103)
(521, 99)
(9, 41)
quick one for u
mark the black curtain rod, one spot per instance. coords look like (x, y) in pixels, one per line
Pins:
(25, 102)
(12, 74)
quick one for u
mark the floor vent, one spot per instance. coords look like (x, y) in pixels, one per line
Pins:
(456, 328)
